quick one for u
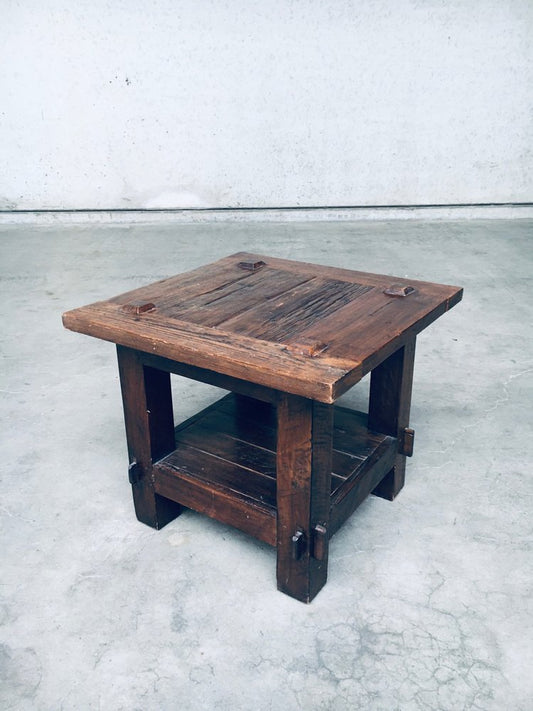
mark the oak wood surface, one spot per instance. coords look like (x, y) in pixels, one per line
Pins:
(149, 425)
(224, 464)
(303, 476)
(391, 385)
(274, 458)
(303, 329)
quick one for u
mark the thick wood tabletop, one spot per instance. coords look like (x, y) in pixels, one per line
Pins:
(302, 328)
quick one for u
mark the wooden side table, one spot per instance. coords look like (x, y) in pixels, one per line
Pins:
(274, 458)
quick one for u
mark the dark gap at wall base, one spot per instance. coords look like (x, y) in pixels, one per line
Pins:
(278, 209)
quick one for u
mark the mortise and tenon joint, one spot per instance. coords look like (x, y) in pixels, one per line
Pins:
(276, 458)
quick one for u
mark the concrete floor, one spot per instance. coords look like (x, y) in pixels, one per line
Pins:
(428, 603)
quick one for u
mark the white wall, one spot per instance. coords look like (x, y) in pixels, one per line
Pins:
(162, 103)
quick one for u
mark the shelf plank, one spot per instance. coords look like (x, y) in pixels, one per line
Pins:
(255, 422)
(224, 464)
(219, 489)
(354, 490)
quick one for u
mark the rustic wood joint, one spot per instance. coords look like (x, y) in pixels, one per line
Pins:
(273, 458)
(134, 472)
(320, 542)
(399, 290)
(138, 307)
(251, 266)
(298, 545)
(407, 441)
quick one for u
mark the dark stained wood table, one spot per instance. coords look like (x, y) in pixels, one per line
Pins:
(275, 457)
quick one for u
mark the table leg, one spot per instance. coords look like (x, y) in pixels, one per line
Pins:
(147, 400)
(304, 447)
(389, 407)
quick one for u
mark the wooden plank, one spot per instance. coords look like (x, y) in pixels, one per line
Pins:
(237, 297)
(348, 275)
(207, 437)
(344, 330)
(220, 435)
(351, 433)
(258, 361)
(303, 494)
(282, 319)
(258, 425)
(147, 404)
(230, 476)
(255, 428)
(248, 411)
(372, 327)
(189, 285)
(355, 490)
(389, 408)
(257, 519)
(225, 382)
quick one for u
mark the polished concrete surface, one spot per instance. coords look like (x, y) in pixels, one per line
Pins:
(429, 599)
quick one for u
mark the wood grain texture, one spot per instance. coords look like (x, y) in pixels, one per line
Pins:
(364, 480)
(304, 329)
(241, 357)
(149, 424)
(226, 382)
(274, 458)
(283, 319)
(389, 409)
(348, 275)
(225, 462)
(303, 492)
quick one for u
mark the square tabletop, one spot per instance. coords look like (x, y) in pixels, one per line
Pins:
(302, 328)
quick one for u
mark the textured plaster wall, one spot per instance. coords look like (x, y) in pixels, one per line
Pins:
(202, 103)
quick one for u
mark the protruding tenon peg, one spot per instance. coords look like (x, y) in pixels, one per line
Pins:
(138, 307)
(407, 442)
(134, 472)
(320, 542)
(399, 290)
(251, 266)
(298, 545)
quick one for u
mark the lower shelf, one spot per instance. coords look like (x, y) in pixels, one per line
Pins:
(224, 465)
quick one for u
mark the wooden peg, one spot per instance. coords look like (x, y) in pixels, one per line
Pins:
(407, 442)
(320, 542)
(251, 266)
(298, 545)
(399, 290)
(138, 307)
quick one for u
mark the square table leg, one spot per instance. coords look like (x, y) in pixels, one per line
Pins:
(303, 474)
(391, 385)
(147, 400)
